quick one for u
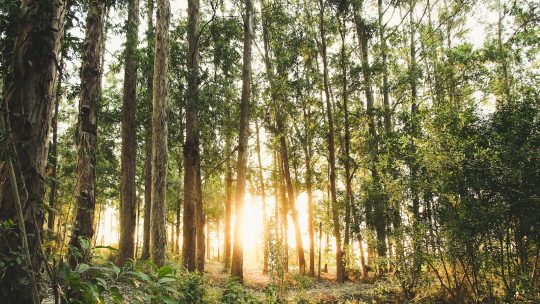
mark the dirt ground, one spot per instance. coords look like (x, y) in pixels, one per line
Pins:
(323, 290)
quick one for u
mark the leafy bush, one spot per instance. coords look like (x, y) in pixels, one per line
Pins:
(192, 288)
(234, 293)
(88, 283)
(156, 285)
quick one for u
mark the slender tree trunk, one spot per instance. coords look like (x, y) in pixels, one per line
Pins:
(207, 238)
(200, 224)
(228, 204)
(238, 250)
(379, 218)
(309, 190)
(176, 247)
(145, 253)
(137, 225)
(276, 194)
(149, 74)
(340, 271)
(385, 86)
(502, 52)
(320, 249)
(128, 195)
(191, 146)
(263, 196)
(290, 196)
(87, 130)
(414, 132)
(284, 220)
(347, 138)
(158, 233)
(54, 149)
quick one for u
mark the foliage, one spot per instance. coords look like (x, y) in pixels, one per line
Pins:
(234, 293)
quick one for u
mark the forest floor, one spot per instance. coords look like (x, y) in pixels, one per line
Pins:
(314, 290)
(297, 288)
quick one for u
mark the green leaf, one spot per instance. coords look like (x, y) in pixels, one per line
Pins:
(165, 270)
(82, 268)
(167, 279)
(140, 275)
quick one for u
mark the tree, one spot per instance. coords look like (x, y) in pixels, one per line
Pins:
(238, 249)
(340, 274)
(377, 216)
(228, 204)
(128, 195)
(192, 196)
(158, 235)
(149, 75)
(87, 129)
(29, 88)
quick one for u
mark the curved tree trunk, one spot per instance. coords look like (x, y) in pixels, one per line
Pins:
(238, 248)
(158, 235)
(128, 195)
(87, 130)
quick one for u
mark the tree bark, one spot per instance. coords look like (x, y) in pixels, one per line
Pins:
(191, 146)
(340, 271)
(158, 233)
(87, 131)
(128, 195)
(28, 95)
(238, 250)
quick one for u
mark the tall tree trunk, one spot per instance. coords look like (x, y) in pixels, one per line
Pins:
(128, 194)
(309, 189)
(263, 196)
(179, 160)
(379, 218)
(503, 52)
(28, 95)
(200, 224)
(347, 137)
(238, 250)
(54, 149)
(384, 55)
(149, 75)
(414, 134)
(87, 130)
(290, 194)
(158, 233)
(192, 196)
(340, 271)
(284, 221)
(228, 204)
(145, 253)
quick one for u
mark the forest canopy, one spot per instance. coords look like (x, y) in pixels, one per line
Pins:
(270, 151)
